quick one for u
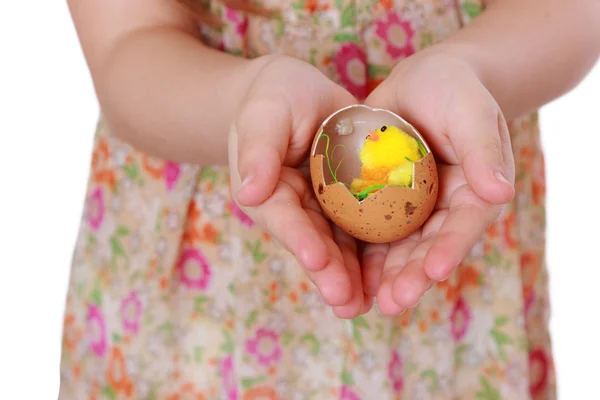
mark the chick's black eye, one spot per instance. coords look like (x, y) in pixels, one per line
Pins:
(383, 128)
(368, 136)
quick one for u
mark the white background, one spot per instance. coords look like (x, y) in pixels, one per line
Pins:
(48, 113)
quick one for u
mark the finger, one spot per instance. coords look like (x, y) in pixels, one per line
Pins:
(261, 148)
(333, 281)
(411, 282)
(478, 147)
(394, 263)
(450, 178)
(466, 223)
(372, 260)
(368, 303)
(347, 246)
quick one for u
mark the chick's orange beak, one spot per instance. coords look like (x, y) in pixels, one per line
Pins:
(373, 136)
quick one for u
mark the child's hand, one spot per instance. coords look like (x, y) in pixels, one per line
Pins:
(270, 140)
(444, 98)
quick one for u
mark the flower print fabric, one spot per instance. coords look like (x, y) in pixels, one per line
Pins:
(176, 294)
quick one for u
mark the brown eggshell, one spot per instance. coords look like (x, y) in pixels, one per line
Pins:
(387, 215)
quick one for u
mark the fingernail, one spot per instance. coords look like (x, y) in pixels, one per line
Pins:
(247, 180)
(501, 178)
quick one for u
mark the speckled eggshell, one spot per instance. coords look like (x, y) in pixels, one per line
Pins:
(387, 215)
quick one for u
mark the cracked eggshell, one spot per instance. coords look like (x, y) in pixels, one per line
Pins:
(387, 215)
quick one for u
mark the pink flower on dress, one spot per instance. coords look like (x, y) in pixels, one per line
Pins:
(460, 319)
(395, 372)
(239, 20)
(347, 394)
(229, 381)
(193, 269)
(351, 65)
(538, 365)
(241, 216)
(265, 346)
(171, 172)
(95, 209)
(96, 330)
(131, 312)
(397, 35)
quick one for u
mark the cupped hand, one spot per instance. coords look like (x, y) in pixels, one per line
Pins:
(443, 97)
(268, 147)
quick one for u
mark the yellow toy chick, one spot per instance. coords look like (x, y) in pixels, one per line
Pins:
(387, 158)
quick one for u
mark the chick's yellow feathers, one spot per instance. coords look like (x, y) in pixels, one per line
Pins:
(387, 158)
(388, 148)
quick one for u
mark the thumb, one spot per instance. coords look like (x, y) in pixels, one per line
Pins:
(482, 146)
(263, 129)
(470, 132)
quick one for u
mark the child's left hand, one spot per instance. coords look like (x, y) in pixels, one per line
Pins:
(443, 97)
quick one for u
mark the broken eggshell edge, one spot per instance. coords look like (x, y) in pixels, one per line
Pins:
(391, 213)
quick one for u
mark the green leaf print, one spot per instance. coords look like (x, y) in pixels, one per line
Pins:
(116, 338)
(347, 377)
(287, 338)
(378, 70)
(279, 26)
(426, 39)
(227, 347)
(360, 322)
(299, 5)
(313, 56)
(199, 303)
(343, 37)
(348, 15)
(198, 355)
(458, 352)
(471, 9)
(132, 170)
(231, 288)
(311, 341)
(251, 319)
(122, 231)
(255, 249)
(117, 252)
(501, 339)
(247, 383)
(108, 392)
(168, 329)
(97, 297)
(494, 258)
(208, 173)
(487, 392)
(501, 321)
(433, 378)
(357, 324)
(378, 331)
(339, 4)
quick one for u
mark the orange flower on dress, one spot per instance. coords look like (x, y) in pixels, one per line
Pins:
(530, 269)
(191, 234)
(187, 392)
(261, 393)
(116, 373)
(509, 223)
(72, 335)
(154, 168)
(102, 173)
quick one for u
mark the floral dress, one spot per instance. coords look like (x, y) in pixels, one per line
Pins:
(176, 294)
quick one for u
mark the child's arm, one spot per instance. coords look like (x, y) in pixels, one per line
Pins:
(529, 52)
(166, 93)
(514, 58)
(158, 86)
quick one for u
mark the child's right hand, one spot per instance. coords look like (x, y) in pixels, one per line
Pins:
(268, 146)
